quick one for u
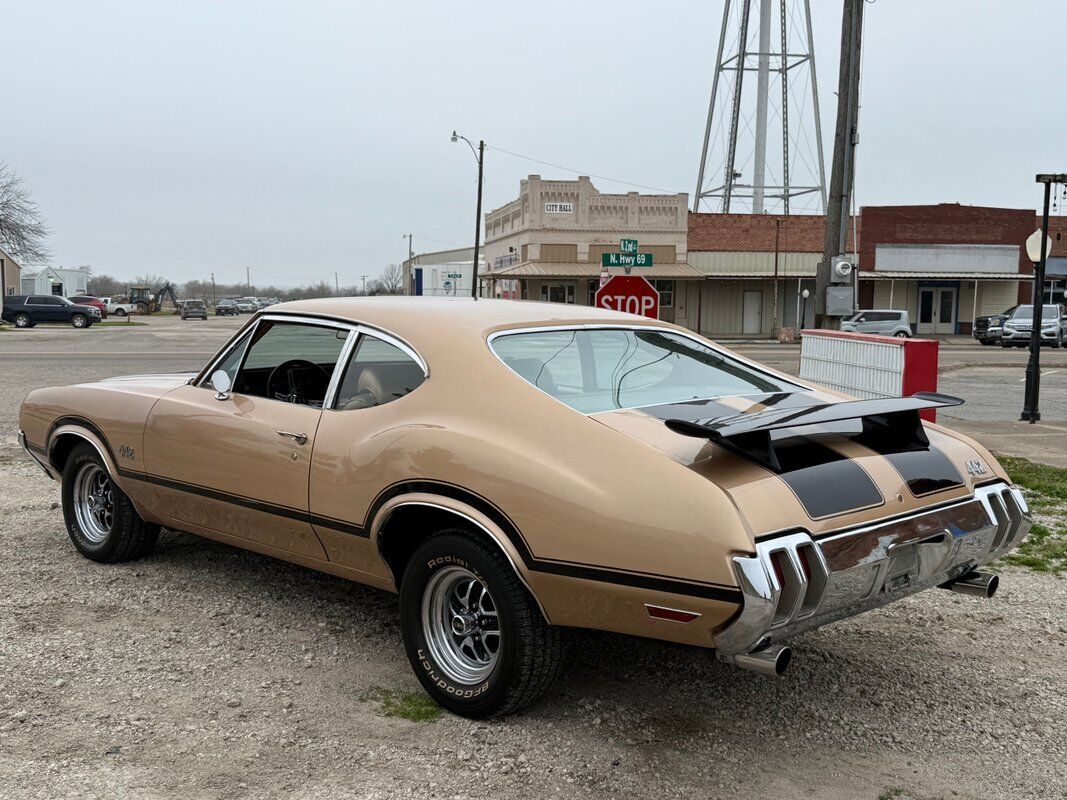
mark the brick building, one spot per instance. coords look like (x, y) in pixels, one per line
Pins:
(944, 264)
(739, 256)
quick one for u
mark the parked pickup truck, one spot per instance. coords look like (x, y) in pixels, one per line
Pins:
(117, 308)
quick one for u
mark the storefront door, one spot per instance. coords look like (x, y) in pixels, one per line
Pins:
(937, 310)
(752, 313)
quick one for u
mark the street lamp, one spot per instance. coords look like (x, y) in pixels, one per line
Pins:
(805, 294)
(1037, 250)
(479, 155)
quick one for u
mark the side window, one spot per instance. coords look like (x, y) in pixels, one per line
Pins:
(377, 373)
(37, 300)
(291, 362)
(232, 360)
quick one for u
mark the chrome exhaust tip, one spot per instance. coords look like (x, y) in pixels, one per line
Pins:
(772, 660)
(975, 584)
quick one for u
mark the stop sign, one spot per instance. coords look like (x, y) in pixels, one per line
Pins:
(632, 294)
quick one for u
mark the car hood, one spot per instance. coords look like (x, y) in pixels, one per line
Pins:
(822, 477)
(155, 385)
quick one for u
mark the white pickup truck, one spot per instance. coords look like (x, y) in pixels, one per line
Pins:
(118, 309)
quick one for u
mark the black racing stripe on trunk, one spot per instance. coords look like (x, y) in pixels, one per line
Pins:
(925, 471)
(924, 468)
(825, 481)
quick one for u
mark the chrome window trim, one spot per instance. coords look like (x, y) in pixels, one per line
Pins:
(754, 366)
(349, 351)
(355, 330)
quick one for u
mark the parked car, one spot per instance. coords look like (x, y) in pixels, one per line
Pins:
(89, 300)
(194, 308)
(884, 322)
(247, 305)
(657, 484)
(1017, 327)
(117, 307)
(25, 311)
(226, 308)
(987, 329)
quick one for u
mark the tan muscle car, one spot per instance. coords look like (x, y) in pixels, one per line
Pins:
(513, 469)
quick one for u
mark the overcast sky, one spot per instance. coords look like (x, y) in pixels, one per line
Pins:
(305, 138)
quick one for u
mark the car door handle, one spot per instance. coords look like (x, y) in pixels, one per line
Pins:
(299, 438)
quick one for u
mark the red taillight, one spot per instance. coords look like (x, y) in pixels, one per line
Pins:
(672, 614)
(776, 562)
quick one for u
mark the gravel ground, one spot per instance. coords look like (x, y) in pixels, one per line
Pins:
(206, 671)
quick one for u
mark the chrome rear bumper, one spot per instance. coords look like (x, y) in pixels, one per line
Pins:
(795, 583)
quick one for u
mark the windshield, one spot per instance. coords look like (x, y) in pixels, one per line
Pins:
(1027, 312)
(605, 369)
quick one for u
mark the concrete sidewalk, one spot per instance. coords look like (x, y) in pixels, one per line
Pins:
(1043, 442)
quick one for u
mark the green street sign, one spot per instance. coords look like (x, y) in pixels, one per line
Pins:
(628, 245)
(626, 260)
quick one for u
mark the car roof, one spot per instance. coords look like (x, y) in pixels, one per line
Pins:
(410, 316)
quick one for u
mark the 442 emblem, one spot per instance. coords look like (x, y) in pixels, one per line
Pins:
(126, 452)
(976, 467)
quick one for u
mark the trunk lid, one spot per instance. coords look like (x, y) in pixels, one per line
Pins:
(821, 477)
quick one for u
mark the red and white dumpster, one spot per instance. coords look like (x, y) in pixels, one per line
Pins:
(869, 366)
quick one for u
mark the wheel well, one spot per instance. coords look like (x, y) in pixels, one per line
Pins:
(409, 526)
(62, 448)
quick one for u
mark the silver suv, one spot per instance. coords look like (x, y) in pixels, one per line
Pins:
(881, 321)
(1017, 327)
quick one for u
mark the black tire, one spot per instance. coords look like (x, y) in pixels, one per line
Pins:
(79, 321)
(128, 536)
(901, 335)
(985, 342)
(120, 312)
(23, 321)
(530, 650)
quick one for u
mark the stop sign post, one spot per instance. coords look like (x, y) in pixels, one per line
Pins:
(631, 294)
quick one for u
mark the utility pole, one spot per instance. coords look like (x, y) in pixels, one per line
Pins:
(364, 279)
(845, 139)
(409, 267)
(336, 285)
(248, 279)
(213, 302)
(777, 234)
(478, 221)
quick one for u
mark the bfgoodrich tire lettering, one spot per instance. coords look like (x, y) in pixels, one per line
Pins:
(101, 520)
(529, 650)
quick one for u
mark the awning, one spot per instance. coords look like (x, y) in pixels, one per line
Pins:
(590, 270)
(875, 275)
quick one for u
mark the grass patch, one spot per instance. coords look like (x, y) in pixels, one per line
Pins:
(889, 794)
(413, 706)
(1048, 481)
(1045, 549)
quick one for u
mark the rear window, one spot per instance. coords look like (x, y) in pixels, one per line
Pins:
(194, 303)
(604, 369)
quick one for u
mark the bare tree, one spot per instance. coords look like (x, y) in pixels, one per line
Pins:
(22, 229)
(105, 285)
(390, 282)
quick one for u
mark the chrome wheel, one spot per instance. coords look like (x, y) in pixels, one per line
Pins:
(461, 625)
(94, 502)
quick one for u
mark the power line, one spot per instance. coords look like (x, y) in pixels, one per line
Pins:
(581, 171)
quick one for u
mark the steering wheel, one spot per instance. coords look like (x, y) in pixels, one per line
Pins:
(303, 380)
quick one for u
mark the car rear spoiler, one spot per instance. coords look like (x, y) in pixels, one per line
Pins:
(893, 421)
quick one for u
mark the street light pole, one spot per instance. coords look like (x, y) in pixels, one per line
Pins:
(1031, 402)
(479, 155)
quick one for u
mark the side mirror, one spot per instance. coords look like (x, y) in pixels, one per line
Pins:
(220, 382)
